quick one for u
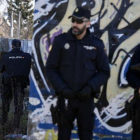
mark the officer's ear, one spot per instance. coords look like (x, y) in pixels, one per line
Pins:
(88, 24)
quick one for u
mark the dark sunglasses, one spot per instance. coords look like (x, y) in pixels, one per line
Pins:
(78, 21)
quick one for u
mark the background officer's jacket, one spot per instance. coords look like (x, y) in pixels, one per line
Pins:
(133, 76)
(16, 64)
(75, 63)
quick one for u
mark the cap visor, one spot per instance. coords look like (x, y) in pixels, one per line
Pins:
(75, 17)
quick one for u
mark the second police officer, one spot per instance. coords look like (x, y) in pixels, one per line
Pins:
(15, 70)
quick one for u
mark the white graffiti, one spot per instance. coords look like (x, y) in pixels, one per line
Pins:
(40, 11)
(114, 129)
(41, 113)
(116, 105)
(123, 80)
(34, 101)
(35, 54)
(61, 3)
(119, 35)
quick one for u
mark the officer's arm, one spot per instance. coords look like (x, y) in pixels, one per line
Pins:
(30, 61)
(133, 76)
(30, 65)
(103, 70)
(2, 67)
(52, 67)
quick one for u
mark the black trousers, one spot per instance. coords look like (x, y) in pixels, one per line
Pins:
(136, 120)
(7, 95)
(82, 111)
(6, 100)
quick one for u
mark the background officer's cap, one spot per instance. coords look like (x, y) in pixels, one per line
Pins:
(81, 13)
(16, 43)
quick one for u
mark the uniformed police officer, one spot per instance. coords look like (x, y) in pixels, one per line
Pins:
(133, 78)
(15, 69)
(77, 67)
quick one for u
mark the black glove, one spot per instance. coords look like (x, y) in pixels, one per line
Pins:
(68, 93)
(85, 93)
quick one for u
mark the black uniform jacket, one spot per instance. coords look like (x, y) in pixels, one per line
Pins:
(75, 63)
(133, 76)
(16, 64)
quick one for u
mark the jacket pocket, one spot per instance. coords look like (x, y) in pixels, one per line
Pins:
(90, 54)
(90, 66)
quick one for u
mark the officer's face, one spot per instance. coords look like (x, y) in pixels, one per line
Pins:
(79, 26)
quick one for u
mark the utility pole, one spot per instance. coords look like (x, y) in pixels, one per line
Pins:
(19, 24)
(12, 24)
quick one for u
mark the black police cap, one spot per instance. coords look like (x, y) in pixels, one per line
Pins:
(81, 13)
(16, 43)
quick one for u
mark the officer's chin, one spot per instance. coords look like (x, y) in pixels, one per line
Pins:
(75, 32)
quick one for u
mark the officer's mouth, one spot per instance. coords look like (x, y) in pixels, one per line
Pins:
(75, 29)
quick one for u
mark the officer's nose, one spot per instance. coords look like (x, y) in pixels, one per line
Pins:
(74, 23)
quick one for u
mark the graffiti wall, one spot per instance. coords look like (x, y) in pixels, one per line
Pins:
(117, 23)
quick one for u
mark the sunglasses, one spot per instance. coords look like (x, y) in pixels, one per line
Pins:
(78, 21)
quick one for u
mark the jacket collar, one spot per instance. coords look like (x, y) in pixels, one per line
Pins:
(16, 50)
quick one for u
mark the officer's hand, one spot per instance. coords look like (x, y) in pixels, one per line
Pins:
(85, 93)
(68, 93)
(139, 90)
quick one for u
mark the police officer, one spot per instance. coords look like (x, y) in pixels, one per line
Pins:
(77, 67)
(15, 69)
(133, 78)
